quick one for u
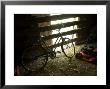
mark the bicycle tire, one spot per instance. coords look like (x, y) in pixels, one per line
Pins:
(34, 58)
(68, 47)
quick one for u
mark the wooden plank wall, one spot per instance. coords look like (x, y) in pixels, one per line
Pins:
(26, 26)
(84, 24)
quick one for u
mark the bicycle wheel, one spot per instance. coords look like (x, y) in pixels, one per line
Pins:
(34, 58)
(68, 47)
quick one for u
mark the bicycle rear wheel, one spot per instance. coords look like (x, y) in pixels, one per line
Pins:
(34, 58)
(68, 47)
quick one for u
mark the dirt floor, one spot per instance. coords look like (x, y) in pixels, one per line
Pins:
(63, 66)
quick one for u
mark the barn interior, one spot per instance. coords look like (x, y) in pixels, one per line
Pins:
(80, 29)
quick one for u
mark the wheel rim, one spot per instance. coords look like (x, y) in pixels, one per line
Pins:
(68, 48)
(36, 64)
(33, 60)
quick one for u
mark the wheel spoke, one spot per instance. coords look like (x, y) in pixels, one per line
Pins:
(32, 60)
(68, 48)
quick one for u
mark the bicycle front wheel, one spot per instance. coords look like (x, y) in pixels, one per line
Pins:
(68, 48)
(34, 58)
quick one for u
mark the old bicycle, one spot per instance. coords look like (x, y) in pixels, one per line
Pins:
(35, 58)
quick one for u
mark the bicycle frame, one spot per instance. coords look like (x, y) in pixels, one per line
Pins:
(56, 42)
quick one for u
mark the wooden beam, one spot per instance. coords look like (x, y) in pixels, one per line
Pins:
(58, 17)
(66, 42)
(58, 35)
(58, 26)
